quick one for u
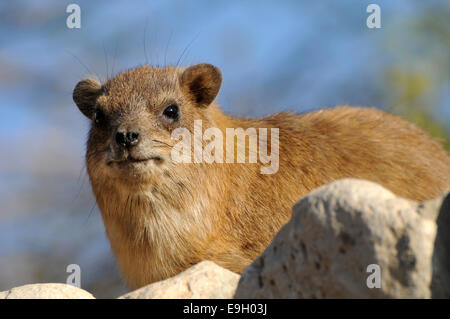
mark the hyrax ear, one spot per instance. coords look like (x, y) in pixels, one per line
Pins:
(85, 94)
(201, 83)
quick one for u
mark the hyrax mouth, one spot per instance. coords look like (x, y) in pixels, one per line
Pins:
(133, 160)
(155, 158)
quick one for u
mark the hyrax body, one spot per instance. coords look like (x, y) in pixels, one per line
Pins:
(162, 216)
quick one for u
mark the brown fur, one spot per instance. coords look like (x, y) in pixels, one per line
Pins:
(162, 217)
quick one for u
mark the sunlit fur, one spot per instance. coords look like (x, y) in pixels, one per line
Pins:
(162, 217)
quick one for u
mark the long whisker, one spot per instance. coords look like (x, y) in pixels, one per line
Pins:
(106, 60)
(186, 49)
(167, 47)
(145, 41)
(82, 64)
(158, 141)
(114, 59)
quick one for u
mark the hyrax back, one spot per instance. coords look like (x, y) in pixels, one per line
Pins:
(162, 216)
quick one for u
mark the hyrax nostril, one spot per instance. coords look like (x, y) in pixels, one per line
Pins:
(127, 139)
(132, 138)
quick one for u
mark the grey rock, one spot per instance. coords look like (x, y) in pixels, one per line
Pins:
(337, 231)
(440, 283)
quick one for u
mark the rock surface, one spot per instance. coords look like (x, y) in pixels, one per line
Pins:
(440, 284)
(341, 239)
(46, 291)
(205, 280)
(337, 231)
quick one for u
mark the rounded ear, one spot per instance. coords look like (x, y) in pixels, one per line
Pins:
(201, 83)
(85, 94)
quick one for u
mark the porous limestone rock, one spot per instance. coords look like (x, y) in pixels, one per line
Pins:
(206, 280)
(46, 291)
(341, 234)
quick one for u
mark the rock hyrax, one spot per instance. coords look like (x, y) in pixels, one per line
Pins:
(162, 216)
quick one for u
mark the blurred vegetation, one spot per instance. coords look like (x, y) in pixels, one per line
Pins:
(420, 71)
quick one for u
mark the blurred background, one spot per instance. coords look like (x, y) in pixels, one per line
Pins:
(274, 55)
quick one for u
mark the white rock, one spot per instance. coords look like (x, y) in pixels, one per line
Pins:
(46, 291)
(205, 280)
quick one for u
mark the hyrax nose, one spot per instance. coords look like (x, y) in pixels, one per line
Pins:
(127, 138)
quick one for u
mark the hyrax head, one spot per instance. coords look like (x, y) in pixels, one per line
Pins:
(134, 113)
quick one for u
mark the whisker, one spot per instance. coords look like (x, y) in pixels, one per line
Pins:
(90, 213)
(114, 59)
(106, 60)
(167, 47)
(82, 64)
(145, 41)
(81, 177)
(186, 49)
(158, 141)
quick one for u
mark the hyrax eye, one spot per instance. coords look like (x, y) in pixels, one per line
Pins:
(99, 118)
(172, 112)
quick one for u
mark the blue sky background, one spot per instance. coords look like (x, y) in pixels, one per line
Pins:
(274, 56)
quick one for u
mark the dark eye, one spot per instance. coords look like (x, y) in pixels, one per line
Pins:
(172, 112)
(99, 118)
